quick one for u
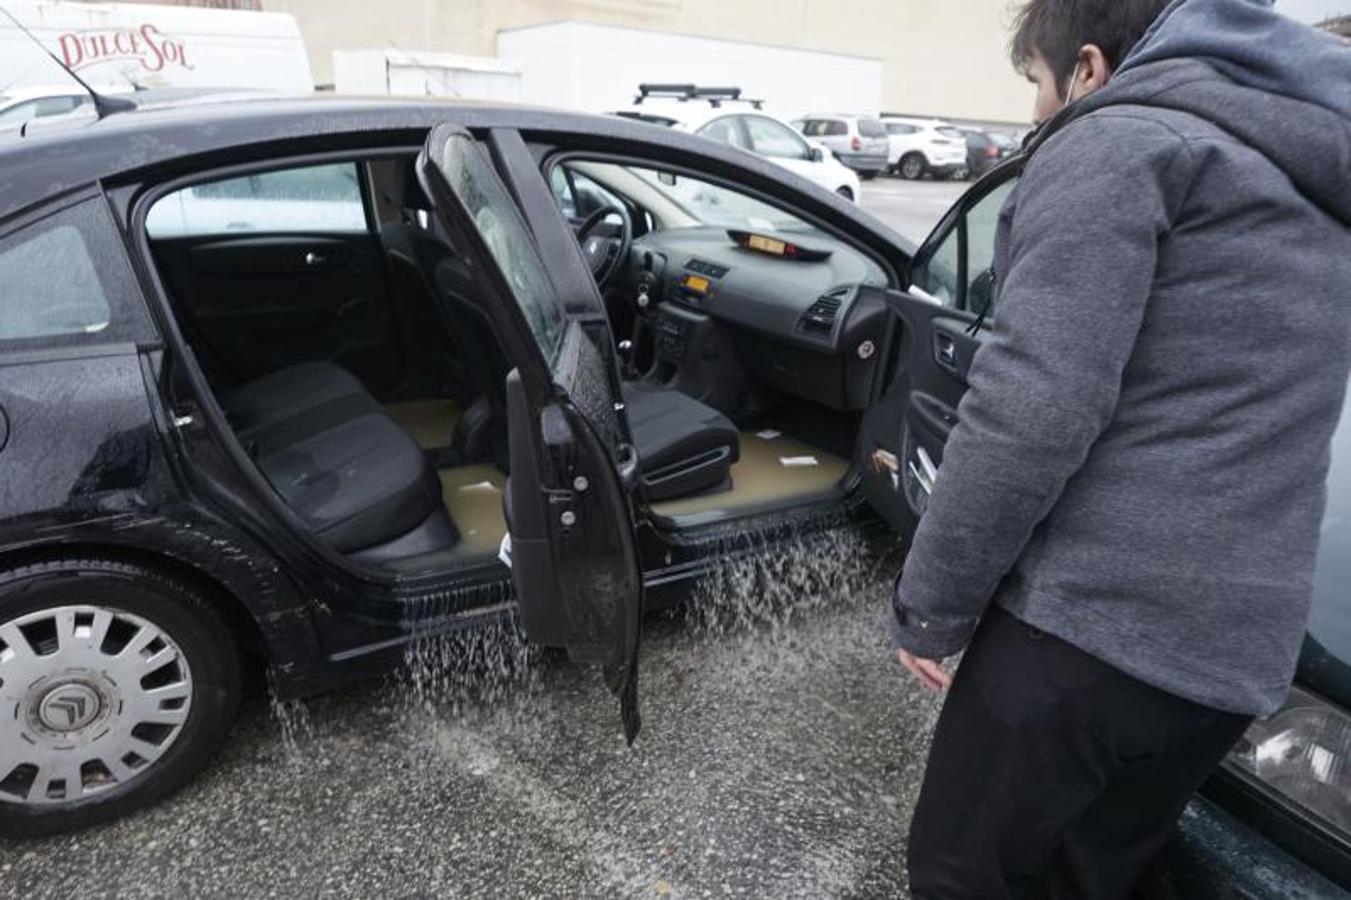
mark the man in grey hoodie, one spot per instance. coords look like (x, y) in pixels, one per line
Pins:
(1124, 524)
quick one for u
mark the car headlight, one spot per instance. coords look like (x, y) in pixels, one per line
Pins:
(1303, 754)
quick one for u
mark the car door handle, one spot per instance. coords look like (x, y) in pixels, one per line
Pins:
(945, 350)
(923, 470)
(314, 259)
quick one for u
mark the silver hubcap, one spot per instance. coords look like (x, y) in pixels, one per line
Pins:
(90, 698)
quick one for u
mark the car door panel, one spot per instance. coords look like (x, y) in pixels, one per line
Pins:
(905, 432)
(571, 543)
(935, 336)
(263, 302)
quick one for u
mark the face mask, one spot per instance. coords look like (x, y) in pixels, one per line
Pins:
(1074, 79)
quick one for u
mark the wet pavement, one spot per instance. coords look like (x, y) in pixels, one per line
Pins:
(780, 756)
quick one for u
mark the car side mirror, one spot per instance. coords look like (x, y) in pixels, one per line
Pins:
(815, 154)
(980, 295)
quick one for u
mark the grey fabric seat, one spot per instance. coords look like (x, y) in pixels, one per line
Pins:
(684, 446)
(338, 460)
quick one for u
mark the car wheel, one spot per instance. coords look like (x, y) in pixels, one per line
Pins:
(846, 193)
(117, 682)
(962, 174)
(911, 167)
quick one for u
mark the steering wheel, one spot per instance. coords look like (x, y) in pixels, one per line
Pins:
(605, 254)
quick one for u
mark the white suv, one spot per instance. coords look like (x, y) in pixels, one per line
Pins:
(721, 114)
(919, 147)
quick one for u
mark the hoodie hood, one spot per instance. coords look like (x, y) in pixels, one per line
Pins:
(1281, 87)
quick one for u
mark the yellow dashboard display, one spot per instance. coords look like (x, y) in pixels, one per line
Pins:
(695, 283)
(765, 245)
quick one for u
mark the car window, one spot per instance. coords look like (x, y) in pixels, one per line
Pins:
(871, 128)
(824, 128)
(981, 222)
(51, 286)
(706, 203)
(494, 215)
(727, 130)
(950, 132)
(19, 112)
(770, 138)
(321, 199)
(900, 128)
(577, 195)
(973, 233)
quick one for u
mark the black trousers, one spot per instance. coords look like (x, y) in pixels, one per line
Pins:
(1053, 774)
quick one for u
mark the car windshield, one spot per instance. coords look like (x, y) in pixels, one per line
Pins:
(710, 204)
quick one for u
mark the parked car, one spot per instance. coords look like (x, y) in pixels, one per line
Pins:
(721, 114)
(21, 105)
(982, 153)
(860, 142)
(1006, 143)
(919, 147)
(238, 420)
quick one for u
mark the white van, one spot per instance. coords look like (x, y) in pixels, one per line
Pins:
(120, 47)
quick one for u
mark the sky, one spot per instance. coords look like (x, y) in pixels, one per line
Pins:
(1314, 10)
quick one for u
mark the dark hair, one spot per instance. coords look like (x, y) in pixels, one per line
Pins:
(1058, 28)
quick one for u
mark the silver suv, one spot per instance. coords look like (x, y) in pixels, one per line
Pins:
(860, 142)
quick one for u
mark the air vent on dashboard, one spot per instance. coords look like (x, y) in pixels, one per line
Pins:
(820, 316)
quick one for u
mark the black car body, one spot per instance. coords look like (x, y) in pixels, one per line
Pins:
(264, 367)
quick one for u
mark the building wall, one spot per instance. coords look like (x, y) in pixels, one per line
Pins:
(940, 57)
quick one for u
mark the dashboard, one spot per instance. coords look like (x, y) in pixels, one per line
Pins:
(800, 310)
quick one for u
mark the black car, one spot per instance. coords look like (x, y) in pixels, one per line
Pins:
(309, 380)
(983, 152)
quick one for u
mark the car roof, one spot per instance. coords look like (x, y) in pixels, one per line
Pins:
(695, 113)
(48, 162)
(184, 138)
(916, 120)
(848, 117)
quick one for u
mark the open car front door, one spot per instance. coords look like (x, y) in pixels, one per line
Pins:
(570, 543)
(939, 322)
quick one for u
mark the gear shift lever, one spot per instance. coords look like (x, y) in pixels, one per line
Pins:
(626, 370)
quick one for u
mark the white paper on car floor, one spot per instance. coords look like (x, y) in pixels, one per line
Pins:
(768, 434)
(797, 462)
(480, 486)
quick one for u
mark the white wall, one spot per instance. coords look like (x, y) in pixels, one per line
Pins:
(597, 68)
(421, 74)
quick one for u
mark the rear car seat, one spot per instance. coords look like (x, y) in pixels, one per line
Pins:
(332, 454)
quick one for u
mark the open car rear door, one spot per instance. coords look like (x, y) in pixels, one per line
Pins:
(938, 325)
(570, 543)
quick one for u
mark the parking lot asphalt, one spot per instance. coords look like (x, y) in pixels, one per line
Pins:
(911, 207)
(780, 756)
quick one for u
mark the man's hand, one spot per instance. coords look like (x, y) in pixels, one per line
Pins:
(930, 672)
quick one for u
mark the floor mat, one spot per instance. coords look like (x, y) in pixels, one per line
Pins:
(773, 468)
(473, 496)
(430, 422)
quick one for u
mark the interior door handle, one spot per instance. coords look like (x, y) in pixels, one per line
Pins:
(923, 469)
(945, 348)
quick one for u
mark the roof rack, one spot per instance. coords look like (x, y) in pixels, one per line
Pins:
(715, 96)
